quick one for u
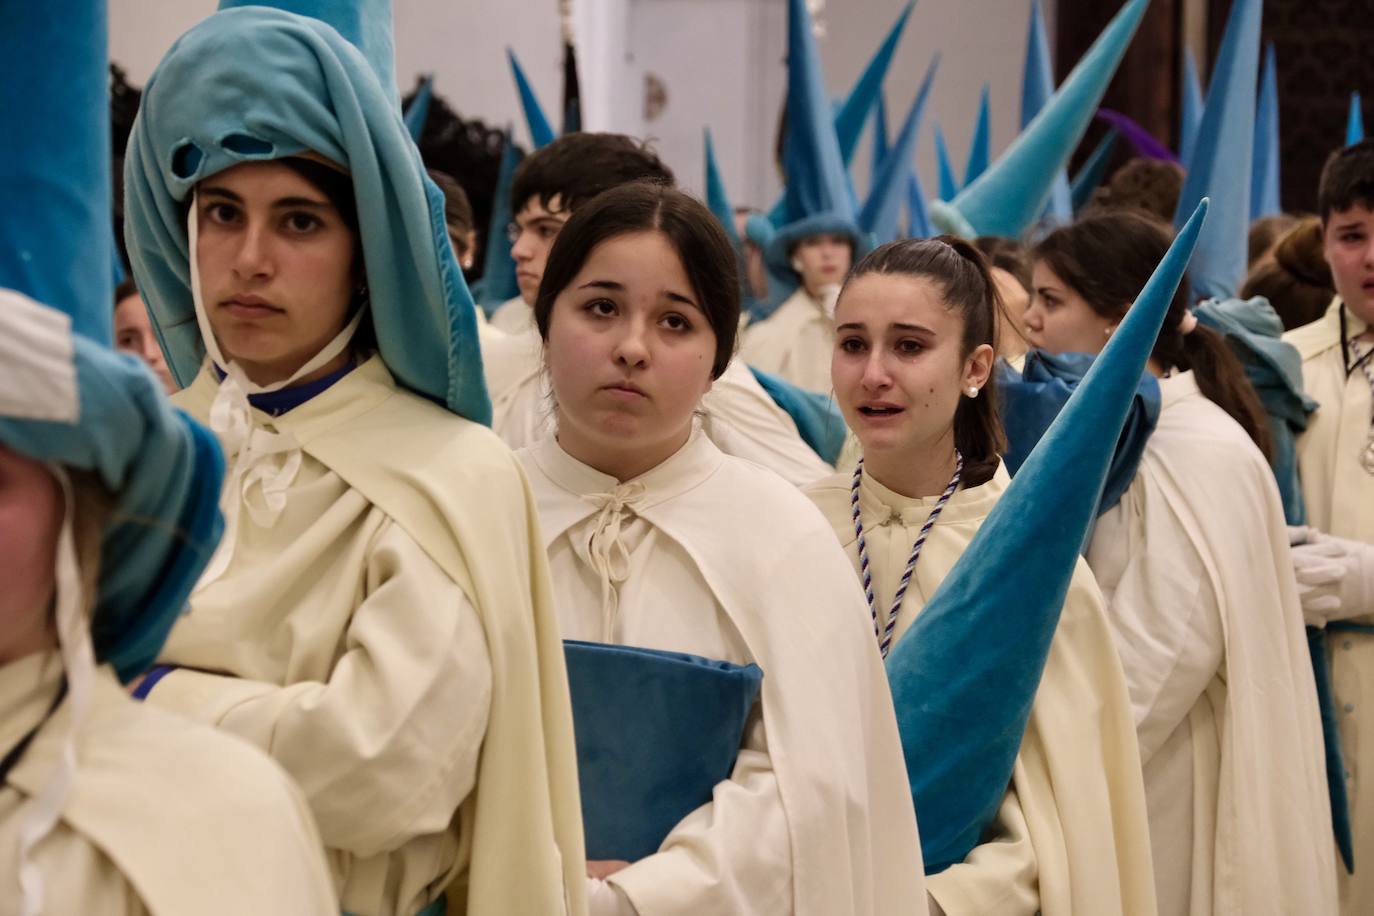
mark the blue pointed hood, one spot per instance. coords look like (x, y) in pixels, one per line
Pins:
(418, 111)
(364, 24)
(716, 197)
(965, 674)
(1037, 86)
(949, 183)
(882, 211)
(817, 198)
(917, 212)
(259, 83)
(101, 412)
(1008, 198)
(980, 147)
(1189, 109)
(1094, 170)
(1264, 175)
(541, 133)
(1220, 166)
(864, 97)
(498, 282)
(1354, 122)
(881, 145)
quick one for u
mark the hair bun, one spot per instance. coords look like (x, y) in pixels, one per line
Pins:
(1299, 252)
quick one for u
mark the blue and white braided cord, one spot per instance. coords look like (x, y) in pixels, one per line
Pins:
(885, 638)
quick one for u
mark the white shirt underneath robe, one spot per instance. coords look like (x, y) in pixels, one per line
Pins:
(656, 562)
(164, 817)
(513, 316)
(796, 342)
(1195, 566)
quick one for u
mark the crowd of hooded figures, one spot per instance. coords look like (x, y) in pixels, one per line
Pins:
(1018, 559)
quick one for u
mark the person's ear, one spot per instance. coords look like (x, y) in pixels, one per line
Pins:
(978, 369)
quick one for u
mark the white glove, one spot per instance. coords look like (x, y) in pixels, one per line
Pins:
(605, 899)
(1335, 577)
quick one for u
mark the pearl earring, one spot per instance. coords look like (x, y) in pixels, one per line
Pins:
(1108, 332)
(973, 391)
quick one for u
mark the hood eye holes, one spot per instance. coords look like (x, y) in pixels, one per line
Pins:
(245, 145)
(186, 160)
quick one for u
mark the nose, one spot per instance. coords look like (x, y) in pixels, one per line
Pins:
(1030, 320)
(253, 259)
(522, 250)
(632, 345)
(875, 377)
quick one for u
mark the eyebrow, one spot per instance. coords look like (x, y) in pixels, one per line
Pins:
(282, 202)
(898, 325)
(615, 287)
(1344, 227)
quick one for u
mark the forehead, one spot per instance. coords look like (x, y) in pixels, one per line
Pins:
(1358, 215)
(534, 209)
(268, 180)
(640, 261)
(882, 299)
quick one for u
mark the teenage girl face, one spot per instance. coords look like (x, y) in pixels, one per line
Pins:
(822, 260)
(630, 354)
(897, 367)
(31, 510)
(1059, 320)
(277, 268)
(1348, 244)
(133, 334)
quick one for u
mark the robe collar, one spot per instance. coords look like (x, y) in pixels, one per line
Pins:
(27, 689)
(971, 504)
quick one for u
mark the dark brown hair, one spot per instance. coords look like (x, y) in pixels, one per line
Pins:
(457, 207)
(1297, 282)
(577, 167)
(1264, 232)
(966, 285)
(1152, 185)
(1347, 179)
(695, 234)
(1107, 258)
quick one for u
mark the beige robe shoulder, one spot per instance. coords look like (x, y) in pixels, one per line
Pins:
(513, 316)
(1072, 834)
(1339, 495)
(715, 556)
(164, 817)
(389, 639)
(1195, 565)
(795, 342)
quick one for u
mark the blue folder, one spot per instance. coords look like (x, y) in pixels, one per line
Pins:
(656, 731)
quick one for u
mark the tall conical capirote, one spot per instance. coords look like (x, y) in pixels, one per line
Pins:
(949, 183)
(1037, 85)
(980, 146)
(417, 112)
(863, 98)
(1264, 173)
(66, 397)
(1008, 198)
(498, 283)
(365, 24)
(541, 133)
(917, 211)
(716, 197)
(1354, 120)
(965, 674)
(882, 145)
(1220, 167)
(1089, 178)
(55, 168)
(1189, 108)
(881, 213)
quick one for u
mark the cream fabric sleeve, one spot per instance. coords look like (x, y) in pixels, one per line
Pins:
(731, 857)
(742, 420)
(998, 876)
(387, 748)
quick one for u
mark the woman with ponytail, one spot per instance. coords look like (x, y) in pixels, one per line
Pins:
(1192, 561)
(912, 365)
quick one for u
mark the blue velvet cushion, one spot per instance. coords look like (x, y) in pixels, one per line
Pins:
(656, 731)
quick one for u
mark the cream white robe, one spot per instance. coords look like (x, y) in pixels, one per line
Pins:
(390, 642)
(164, 817)
(513, 316)
(1195, 566)
(1339, 494)
(714, 556)
(795, 342)
(737, 414)
(1071, 836)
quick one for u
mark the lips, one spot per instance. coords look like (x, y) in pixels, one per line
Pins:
(625, 391)
(879, 410)
(250, 307)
